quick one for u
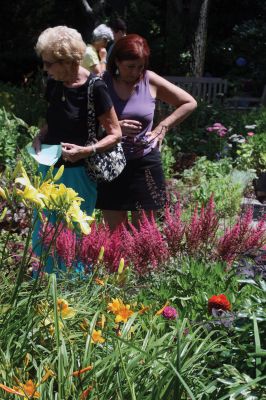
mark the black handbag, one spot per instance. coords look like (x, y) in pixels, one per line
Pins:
(107, 165)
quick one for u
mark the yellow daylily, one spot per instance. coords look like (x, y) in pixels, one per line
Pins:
(64, 310)
(2, 193)
(59, 173)
(121, 266)
(101, 254)
(96, 337)
(124, 313)
(75, 214)
(115, 306)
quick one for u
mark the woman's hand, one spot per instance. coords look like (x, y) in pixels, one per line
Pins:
(130, 127)
(156, 136)
(72, 152)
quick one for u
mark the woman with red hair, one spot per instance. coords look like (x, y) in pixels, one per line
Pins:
(134, 90)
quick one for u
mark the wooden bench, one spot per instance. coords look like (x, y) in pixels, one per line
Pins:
(205, 89)
(246, 102)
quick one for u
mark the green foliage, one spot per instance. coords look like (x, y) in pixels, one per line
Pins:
(252, 154)
(218, 178)
(168, 161)
(192, 136)
(14, 135)
(25, 102)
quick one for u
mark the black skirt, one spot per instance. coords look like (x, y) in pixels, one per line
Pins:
(141, 186)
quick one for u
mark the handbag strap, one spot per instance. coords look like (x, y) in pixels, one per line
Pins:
(91, 118)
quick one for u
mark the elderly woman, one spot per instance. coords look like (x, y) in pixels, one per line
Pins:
(95, 56)
(62, 50)
(134, 90)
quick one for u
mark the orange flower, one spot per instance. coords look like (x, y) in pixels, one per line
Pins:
(85, 394)
(161, 310)
(220, 302)
(99, 281)
(81, 371)
(124, 313)
(96, 337)
(143, 309)
(115, 306)
(28, 389)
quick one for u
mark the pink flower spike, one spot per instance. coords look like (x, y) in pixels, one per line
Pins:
(250, 133)
(218, 125)
(169, 312)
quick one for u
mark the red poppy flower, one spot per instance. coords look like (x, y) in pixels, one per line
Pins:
(219, 302)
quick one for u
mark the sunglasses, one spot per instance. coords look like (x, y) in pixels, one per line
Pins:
(49, 64)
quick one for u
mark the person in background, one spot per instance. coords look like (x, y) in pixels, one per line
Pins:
(96, 54)
(62, 50)
(119, 29)
(134, 90)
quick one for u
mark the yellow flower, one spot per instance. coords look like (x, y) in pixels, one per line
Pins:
(121, 266)
(27, 390)
(59, 173)
(115, 306)
(102, 321)
(96, 337)
(75, 214)
(101, 254)
(2, 193)
(124, 313)
(64, 310)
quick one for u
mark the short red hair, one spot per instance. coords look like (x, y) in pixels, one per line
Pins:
(129, 47)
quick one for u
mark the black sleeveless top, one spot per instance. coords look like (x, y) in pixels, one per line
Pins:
(67, 113)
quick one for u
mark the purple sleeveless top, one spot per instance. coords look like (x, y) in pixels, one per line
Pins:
(139, 106)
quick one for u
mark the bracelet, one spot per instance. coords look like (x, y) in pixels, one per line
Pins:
(103, 62)
(94, 150)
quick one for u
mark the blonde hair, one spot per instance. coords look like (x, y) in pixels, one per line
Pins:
(62, 43)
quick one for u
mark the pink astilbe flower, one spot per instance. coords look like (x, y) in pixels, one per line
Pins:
(113, 250)
(201, 231)
(66, 247)
(173, 228)
(169, 312)
(61, 242)
(144, 247)
(91, 244)
(242, 237)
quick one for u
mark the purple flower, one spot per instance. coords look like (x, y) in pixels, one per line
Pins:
(169, 312)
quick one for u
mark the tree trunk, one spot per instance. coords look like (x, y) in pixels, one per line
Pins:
(200, 41)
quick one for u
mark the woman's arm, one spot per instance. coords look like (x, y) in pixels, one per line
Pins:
(109, 122)
(184, 104)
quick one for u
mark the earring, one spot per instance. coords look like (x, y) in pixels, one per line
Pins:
(117, 73)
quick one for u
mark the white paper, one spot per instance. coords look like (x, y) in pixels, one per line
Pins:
(49, 154)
